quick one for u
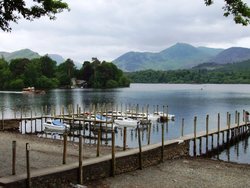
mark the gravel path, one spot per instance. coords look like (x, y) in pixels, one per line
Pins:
(44, 152)
(182, 173)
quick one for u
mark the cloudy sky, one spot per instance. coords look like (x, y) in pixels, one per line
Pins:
(107, 29)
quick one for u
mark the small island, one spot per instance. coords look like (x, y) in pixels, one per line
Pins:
(44, 73)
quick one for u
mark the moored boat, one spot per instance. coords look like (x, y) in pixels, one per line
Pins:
(126, 122)
(55, 125)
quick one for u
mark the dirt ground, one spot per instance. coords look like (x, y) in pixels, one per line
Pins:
(188, 172)
(44, 152)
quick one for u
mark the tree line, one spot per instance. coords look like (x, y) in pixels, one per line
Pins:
(44, 73)
(229, 74)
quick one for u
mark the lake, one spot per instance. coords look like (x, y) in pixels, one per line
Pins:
(185, 101)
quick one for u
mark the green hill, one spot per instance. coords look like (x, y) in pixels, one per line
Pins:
(24, 53)
(179, 56)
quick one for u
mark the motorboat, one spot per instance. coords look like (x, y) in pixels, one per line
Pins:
(32, 90)
(55, 125)
(158, 115)
(126, 122)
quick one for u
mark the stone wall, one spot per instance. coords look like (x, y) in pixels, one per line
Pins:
(100, 167)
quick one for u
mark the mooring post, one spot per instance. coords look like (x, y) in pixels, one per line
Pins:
(98, 143)
(207, 119)
(195, 122)
(113, 153)
(80, 161)
(238, 124)
(124, 138)
(64, 147)
(218, 138)
(182, 127)
(228, 131)
(140, 149)
(235, 117)
(21, 117)
(162, 142)
(28, 165)
(2, 118)
(31, 125)
(149, 133)
(13, 157)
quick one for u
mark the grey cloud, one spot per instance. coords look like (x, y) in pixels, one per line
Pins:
(107, 29)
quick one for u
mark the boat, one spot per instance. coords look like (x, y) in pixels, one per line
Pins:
(55, 125)
(126, 122)
(160, 115)
(32, 90)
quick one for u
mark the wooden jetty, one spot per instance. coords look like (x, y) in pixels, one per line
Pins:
(126, 160)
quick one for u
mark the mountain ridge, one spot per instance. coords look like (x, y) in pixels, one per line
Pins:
(29, 54)
(178, 56)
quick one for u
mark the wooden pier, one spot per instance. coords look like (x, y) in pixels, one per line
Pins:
(197, 143)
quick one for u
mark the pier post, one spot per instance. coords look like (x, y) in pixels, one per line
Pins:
(207, 119)
(124, 138)
(31, 123)
(162, 142)
(218, 138)
(140, 149)
(98, 143)
(195, 122)
(64, 148)
(21, 117)
(80, 161)
(2, 118)
(113, 153)
(28, 165)
(149, 133)
(182, 127)
(238, 122)
(13, 157)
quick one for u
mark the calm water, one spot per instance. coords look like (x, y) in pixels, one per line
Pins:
(183, 100)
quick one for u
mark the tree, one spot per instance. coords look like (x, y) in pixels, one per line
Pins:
(48, 66)
(237, 8)
(12, 11)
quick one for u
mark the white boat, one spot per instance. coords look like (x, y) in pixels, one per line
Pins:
(157, 115)
(55, 125)
(126, 122)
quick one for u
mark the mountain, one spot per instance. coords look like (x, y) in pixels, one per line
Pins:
(178, 56)
(59, 59)
(232, 55)
(29, 54)
(24, 53)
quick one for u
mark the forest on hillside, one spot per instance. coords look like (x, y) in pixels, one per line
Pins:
(237, 73)
(44, 73)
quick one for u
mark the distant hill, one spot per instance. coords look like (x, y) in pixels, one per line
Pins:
(29, 54)
(59, 59)
(232, 55)
(24, 53)
(179, 56)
